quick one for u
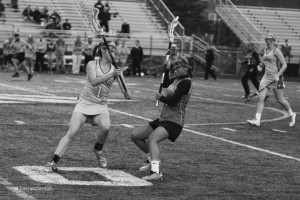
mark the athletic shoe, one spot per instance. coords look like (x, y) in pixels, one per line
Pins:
(16, 75)
(51, 167)
(146, 166)
(29, 77)
(101, 160)
(266, 98)
(246, 96)
(153, 176)
(293, 120)
(254, 122)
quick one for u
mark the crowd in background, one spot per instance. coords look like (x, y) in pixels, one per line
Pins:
(41, 55)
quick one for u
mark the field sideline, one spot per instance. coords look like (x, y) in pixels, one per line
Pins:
(217, 156)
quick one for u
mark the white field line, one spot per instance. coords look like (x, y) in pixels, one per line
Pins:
(229, 129)
(19, 88)
(280, 131)
(19, 122)
(218, 138)
(127, 125)
(17, 191)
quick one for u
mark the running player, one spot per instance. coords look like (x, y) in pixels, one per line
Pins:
(171, 120)
(18, 45)
(273, 73)
(92, 104)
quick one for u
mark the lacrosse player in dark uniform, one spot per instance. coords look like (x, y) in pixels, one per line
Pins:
(252, 61)
(170, 123)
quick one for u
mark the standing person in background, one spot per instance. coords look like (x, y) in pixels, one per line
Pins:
(30, 54)
(51, 47)
(273, 78)
(209, 58)
(174, 54)
(18, 45)
(2, 11)
(136, 54)
(77, 55)
(92, 105)
(99, 5)
(286, 50)
(41, 47)
(60, 55)
(122, 53)
(252, 61)
(106, 16)
(170, 123)
(8, 53)
(88, 52)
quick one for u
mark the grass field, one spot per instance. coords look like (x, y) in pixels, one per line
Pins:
(217, 156)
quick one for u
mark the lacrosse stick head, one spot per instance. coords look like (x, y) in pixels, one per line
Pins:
(171, 28)
(96, 22)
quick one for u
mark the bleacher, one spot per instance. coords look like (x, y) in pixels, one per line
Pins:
(144, 24)
(283, 23)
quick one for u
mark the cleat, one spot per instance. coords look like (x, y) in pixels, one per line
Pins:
(245, 96)
(101, 160)
(16, 75)
(51, 167)
(29, 77)
(254, 122)
(146, 166)
(266, 98)
(153, 176)
(293, 120)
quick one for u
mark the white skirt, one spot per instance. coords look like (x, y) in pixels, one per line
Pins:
(88, 108)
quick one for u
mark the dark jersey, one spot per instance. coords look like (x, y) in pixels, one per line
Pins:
(175, 98)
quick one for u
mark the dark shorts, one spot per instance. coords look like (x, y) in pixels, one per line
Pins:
(19, 56)
(172, 128)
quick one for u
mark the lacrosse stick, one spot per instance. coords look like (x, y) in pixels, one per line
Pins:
(99, 29)
(171, 28)
(256, 93)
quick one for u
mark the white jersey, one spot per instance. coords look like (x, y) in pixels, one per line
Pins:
(97, 94)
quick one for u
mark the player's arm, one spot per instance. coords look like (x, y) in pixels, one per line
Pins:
(91, 73)
(183, 88)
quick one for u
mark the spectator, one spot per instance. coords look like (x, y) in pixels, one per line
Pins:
(88, 51)
(2, 10)
(122, 53)
(27, 13)
(209, 58)
(8, 53)
(174, 54)
(67, 25)
(125, 29)
(77, 55)
(286, 50)
(100, 7)
(15, 5)
(50, 25)
(36, 15)
(105, 17)
(45, 14)
(30, 53)
(41, 46)
(50, 54)
(137, 57)
(60, 53)
(55, 17)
